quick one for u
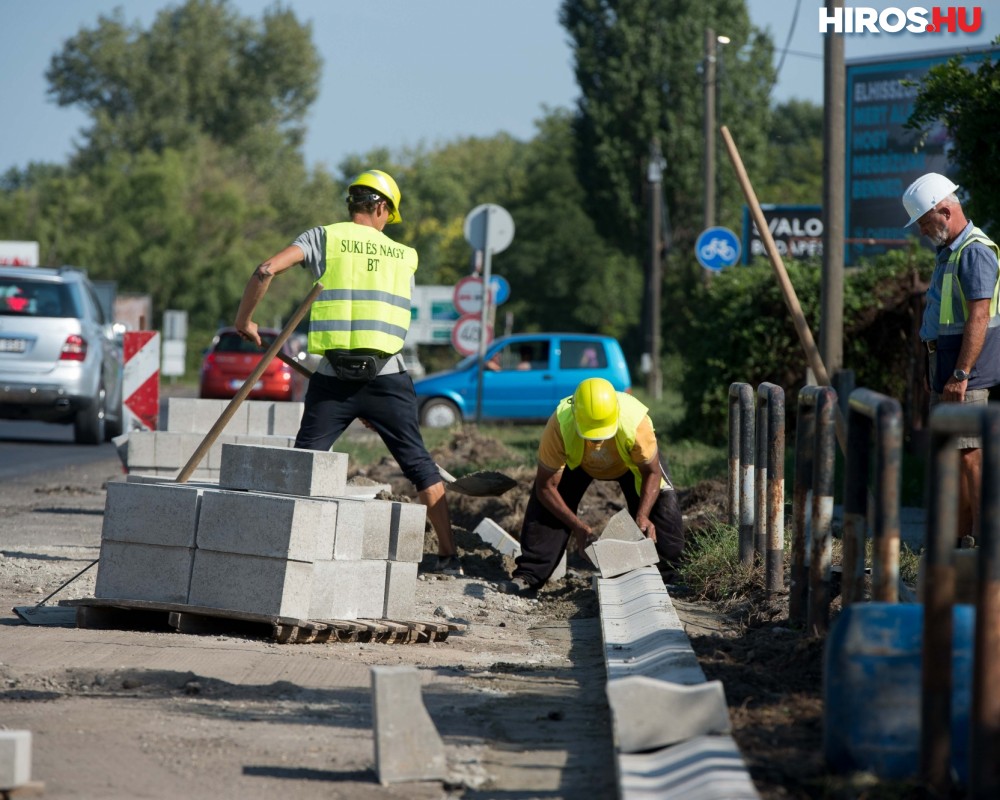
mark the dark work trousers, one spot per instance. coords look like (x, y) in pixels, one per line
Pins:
(388, 402)
(544, 537)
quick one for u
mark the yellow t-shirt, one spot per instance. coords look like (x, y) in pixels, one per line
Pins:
(600, 459)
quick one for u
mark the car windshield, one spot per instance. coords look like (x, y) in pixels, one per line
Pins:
(29, 298)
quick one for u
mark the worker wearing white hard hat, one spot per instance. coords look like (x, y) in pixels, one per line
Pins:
(961, 326)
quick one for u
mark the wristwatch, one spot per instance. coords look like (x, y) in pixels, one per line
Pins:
(960, 375)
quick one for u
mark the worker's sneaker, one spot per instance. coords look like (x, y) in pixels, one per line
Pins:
(518, 586)
(445, 565)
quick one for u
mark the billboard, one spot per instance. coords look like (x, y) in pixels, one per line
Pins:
(797, 232)
(883, 156)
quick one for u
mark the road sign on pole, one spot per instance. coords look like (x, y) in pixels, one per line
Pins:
(465, 335)
(488, 228)
(717, 248)
(468, 297)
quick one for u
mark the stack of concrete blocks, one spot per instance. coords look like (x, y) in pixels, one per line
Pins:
(505, 544)
(188, 419)
(277, 535)
(15, 760)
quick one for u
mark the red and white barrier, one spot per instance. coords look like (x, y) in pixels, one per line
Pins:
(141, 380)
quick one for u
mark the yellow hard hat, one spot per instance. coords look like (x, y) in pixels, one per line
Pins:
(595, 408)
(382, 183)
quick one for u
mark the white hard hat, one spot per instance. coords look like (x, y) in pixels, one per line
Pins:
(925, 193)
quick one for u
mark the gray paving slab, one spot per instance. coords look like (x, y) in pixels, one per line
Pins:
(268, 525)
(160, 512)
(283, 470)
(614, 557)
(130, 571)
(253, 584)
(622, 527)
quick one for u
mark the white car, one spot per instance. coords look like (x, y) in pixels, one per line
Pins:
(60, 360)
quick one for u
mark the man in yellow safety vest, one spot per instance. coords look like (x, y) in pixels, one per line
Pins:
(960, 327)
(358, 324)
(596, 434)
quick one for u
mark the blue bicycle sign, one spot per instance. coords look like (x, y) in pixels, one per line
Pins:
(717, 248)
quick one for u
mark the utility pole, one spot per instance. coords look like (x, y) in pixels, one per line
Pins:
(709, 133)
(654, 175)
(831, 329)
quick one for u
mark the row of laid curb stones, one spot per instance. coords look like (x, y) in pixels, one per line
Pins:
(671, 726)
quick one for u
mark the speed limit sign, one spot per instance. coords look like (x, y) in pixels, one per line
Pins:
(465, 334)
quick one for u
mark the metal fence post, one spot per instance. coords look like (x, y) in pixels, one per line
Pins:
(821, 533)
(805, 434)
(741, 467)
(771, 484)
(984, 746)
(872, 415)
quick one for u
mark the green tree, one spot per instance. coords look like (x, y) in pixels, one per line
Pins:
(794, 174)
(638, 68)
(201, 68)
(558, 266)
(966, 102)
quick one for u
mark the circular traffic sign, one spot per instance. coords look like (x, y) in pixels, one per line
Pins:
(468, 296)
(489, 227)
(717, 248)
(499, 289)
(465, 334)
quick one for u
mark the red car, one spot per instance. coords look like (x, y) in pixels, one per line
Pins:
(231, 359)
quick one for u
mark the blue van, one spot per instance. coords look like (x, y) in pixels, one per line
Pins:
(524, 377)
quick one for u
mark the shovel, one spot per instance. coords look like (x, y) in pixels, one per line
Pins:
(476, 484)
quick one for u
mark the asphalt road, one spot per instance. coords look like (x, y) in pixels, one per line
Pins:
(28, 447)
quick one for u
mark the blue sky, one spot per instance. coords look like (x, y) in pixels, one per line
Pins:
(439, 69)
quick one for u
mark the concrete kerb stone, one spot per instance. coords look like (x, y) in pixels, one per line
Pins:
(349, 589)
(622, 527)
(495, 536)
(400, 590)
(160, 513)
(131, 571)
(614, 557)
(394, 530)
(15, 758)
(257, 585)
(645, 646)
(650, 713)
(407, 744)
(704, 768)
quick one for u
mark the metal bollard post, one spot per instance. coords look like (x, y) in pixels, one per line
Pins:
(741, 467)
(821, 534)
(805, 435)
(984, 745)
(770, 483)
(872, 415)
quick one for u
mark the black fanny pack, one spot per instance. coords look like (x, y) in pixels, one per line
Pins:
(354, 367)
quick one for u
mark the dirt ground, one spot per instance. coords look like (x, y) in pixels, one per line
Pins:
(517, 695)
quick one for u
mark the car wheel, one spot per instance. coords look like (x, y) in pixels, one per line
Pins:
(440, 413)
(88, 427)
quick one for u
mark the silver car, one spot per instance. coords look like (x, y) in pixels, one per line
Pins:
(59, 358)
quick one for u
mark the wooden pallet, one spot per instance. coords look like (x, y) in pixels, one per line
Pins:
(148, 615)
(30, 789)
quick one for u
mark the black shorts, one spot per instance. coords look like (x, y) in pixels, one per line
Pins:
(388, 402)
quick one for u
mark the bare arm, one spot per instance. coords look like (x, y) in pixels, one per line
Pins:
(257, 287)
(972, 346)
(547, 489)
(650, 472)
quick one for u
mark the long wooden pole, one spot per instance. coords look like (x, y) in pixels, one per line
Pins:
(787, 290)
(248, 385)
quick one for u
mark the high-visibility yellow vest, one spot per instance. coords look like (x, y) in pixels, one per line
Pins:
(366, 305)
(630, 413)
(951, 289)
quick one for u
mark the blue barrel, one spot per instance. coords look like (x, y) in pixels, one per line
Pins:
(872, 689)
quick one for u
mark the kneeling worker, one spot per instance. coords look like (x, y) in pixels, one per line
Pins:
(597, 434)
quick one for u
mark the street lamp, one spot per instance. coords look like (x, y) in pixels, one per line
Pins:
(711, 47)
